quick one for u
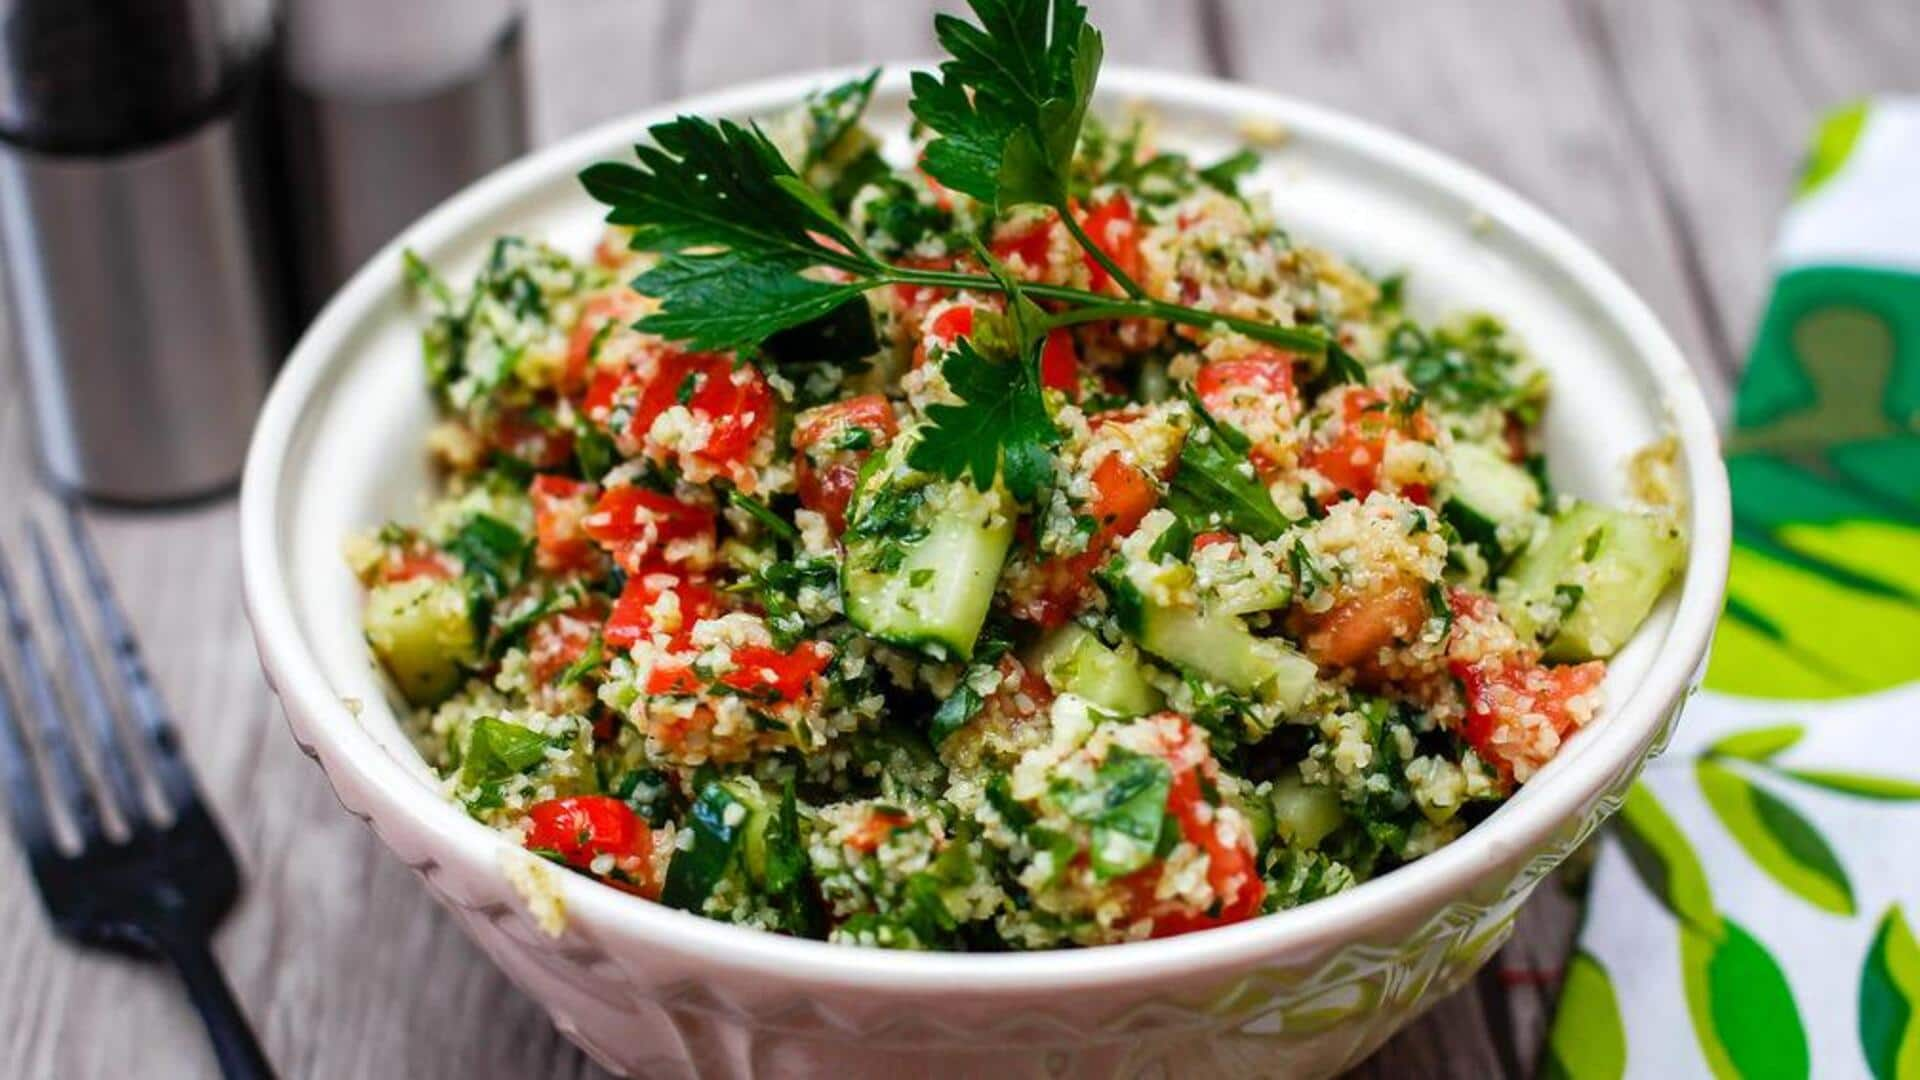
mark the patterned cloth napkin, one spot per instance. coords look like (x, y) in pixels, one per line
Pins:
(1756, 910)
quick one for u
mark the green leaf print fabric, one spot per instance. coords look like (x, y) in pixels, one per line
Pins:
(1753, 907)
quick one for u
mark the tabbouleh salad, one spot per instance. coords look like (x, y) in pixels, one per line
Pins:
(1025, 546)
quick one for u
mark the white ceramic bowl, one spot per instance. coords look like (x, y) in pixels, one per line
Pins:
(648, 990)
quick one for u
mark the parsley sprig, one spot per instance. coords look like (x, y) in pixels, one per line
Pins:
(748, 248)
(1008, 106)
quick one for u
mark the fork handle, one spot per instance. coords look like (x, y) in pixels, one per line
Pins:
(234, 1045)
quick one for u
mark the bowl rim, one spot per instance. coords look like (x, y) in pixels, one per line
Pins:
(1424, 885)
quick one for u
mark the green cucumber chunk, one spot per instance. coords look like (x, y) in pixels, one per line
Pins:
(1074, 660)
(1215, 646)
(923, 555)
(422, 631)
(1586, 585)
(1489, 500)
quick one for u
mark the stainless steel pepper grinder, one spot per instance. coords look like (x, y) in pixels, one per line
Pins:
(390, 108)
(135, 239)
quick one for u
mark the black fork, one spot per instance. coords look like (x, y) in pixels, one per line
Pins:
(157, 890)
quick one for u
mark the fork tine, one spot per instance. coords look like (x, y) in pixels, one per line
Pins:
(24, 801)
(109, 752)
(169, 769)
(56, 748)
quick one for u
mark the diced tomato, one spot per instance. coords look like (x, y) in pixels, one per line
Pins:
(621, 304)
(612, 250)
(765, 675)
(1266, 372)
(1231, 872)
(1501, 690)
(736, 401)
(560, 507)
(825, 468)
(1351, 462)
(1236, 883)
(1122, 496)
(635, 612)
(1351, 633)
(541, 445)
(416, 561)
(1031, 242)
(673, 677)
(1254, 394)
(828, 423)
(873, 832)
(1113, 230)
(733, 403)
(768, 674)
(558, 641)
(581, 828)
(1208, 539)
(646, 530)
(1060, 363)
(947, 327)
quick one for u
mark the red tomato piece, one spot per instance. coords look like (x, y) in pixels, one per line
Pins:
(1351, 462)
(1256, 395)
(1031, 243)
(1114, 231)
(622, 305)
(825, 468)
(560, 507)
(769, 674)
(558, 641)
(1265, 372)
(1208, 539)
(1122, 496)
(734, 404)
(639, 607)
(416, 561)
(1351, 633)
(873, 832)
(581, 828)
(1236, 883)
(1060, 363)
(518, 435)
(948, 327)
(1501, 692)
(642, 527)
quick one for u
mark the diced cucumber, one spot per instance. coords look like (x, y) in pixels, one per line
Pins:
(1585, 586)
(1304, 814)
(422, 631)
(1074, 660)
(923, 556)
(1491, 501)
(1215, 646)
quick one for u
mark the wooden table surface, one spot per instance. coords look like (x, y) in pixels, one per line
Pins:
(1664, 132)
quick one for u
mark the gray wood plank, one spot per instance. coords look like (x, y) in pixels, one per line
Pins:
(1722, 97)
(1513, 89)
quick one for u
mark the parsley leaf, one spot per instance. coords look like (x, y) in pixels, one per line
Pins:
(1001, 427)
(736, 227)
(1224, 175)
(1009, 102)
(1213, 487)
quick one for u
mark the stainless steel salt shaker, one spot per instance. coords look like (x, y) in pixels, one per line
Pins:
(390, 108)
(135, 237)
